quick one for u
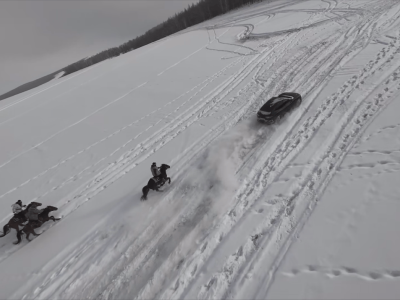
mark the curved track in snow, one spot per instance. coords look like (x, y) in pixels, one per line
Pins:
(220, 230)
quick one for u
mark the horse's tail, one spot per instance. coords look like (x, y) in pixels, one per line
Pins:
(145, 191)
(6, 229)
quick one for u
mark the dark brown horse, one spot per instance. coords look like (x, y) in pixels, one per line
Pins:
(154, 184)
(42, 218)
(164, 177)
(16, 221)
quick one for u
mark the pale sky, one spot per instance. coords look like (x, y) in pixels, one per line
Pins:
(38, 37)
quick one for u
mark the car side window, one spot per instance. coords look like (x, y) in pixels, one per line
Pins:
(282, 104)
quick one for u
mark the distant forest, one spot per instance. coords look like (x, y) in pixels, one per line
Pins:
(194, 14)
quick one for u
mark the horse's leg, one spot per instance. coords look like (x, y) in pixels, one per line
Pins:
(28, 233)
(6, 229)
(169, 180)
(18, 237)
(36, 225)
(27, 230)
(145, 191)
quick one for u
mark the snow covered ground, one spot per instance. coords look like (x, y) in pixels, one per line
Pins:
(307, 208)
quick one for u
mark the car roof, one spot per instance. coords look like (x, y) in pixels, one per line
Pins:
(277, 99)
(271, 102)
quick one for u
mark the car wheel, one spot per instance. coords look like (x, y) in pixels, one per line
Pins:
(299, 102)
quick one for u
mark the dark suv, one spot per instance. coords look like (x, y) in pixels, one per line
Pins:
(276, 107)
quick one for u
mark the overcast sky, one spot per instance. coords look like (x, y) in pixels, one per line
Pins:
(38, 37)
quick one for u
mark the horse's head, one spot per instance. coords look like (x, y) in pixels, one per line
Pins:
(50, 208)
(44, 215)
(33, 203)
(165, 167)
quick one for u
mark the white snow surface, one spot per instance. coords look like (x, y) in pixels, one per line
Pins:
(305, 208)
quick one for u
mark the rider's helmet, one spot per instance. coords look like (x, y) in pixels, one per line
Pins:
(19, 202)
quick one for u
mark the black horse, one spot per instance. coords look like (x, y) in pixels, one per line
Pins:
(154, 184)
(164, 177)
(16, 221)
(42, 218)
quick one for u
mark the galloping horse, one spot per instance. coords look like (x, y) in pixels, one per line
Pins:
(17, 221)
(154, 185)
(164, 177)
(42, 218)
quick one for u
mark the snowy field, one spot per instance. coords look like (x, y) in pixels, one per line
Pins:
(306, 208)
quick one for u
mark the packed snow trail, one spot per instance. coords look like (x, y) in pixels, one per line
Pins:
(235, 208)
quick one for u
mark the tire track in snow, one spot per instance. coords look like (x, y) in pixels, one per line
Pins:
(231, 268)
(118, 169)
(209, 246)
(40, 143)
(276, 55)
(332, 273)
(274, 78)
(133, 264)
(175, 295)
(190, 55)
(296, 212)
(202, 85)
(304, 80)
(205, 248)
(284, 68)
(45, 89)
(72, 76)
(71, 125)
(67, 208)
(51, 100)
(236, 114)
(95, 78)
(253, 51)
(382, 152)
(234, 269)
(199, 260)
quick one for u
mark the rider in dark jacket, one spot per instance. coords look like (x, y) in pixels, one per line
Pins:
(33, 212)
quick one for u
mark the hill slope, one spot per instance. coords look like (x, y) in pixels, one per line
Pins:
(305, 208)
(29, 85)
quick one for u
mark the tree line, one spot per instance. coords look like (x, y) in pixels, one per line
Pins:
(192, 15)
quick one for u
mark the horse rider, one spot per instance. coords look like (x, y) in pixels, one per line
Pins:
(17, 209)
(155, 171)
(33, 212)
